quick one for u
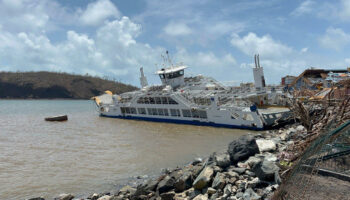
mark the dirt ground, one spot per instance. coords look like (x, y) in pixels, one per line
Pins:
(319, 187)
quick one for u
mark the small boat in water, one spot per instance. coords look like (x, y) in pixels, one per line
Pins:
(57, 118)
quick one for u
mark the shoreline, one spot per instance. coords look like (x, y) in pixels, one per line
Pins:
(238, 173)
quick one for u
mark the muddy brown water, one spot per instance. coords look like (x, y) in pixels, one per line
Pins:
(89, 153)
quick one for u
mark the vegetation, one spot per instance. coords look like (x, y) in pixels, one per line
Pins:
(22, 85)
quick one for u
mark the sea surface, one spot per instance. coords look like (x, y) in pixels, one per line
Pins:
(89, 153)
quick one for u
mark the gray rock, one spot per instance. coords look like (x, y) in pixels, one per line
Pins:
(242, 148)
(249, 194)
(239, 195)
(238, 170)
(253, 160)
(203, 178)
(219, 181)
(127, 189)
(166, 184)
(105, 197)
(197, 161)
(266, 170)
(211, 190)
(228, 190)
(300, 128)
(253, 183)
(37, 198)
(94, 196)
(167, 196)
(266, 145)
(231, 174)
(222, 160)
(270, 157)
(145, 188)
(65, 197)
(201, 197)
(250, 173)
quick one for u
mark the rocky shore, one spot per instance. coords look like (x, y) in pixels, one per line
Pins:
(251, 168)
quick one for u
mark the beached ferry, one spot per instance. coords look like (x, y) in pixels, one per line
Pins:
(197, 100)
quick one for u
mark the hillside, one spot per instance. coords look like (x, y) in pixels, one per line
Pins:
(22, 85)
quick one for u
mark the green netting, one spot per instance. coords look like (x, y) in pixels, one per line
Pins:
(323, 172)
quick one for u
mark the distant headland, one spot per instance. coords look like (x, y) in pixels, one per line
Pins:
(54, 85)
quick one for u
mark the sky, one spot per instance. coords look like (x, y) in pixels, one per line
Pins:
(217, 38)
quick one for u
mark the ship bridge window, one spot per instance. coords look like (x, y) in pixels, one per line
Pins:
(161, 76)
(172, 101)
(186, 113)
(141, 111)
(174, 74)
(175, 112)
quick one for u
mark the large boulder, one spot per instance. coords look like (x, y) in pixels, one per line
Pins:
(266, 145)
(203, 178)
(266, 170)
(166, 184)
(242, 148)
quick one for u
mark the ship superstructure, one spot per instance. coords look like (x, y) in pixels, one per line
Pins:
(197, 100)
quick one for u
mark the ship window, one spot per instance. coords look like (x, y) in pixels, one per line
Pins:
(171, 101)
(158, 100)
(133, 111)
(234, 116)
(146, 100)
(164, 100)
(161, 76)
(151, 100)
(122, 109)
(140, 100)
(160, 111)
(181, 72)
(203, 114)
(186, 113)
(195, 114)
(127, 110)
(175, 112)
(166, 113)
(141, 111)
(154, 111)
(149, 110)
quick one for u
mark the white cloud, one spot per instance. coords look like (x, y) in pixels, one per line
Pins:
(265, 46)
(345, 10)
(334, 38)
(347, 61)
(177, 29)
(99, 11)
(304, 50)
(304, 8)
